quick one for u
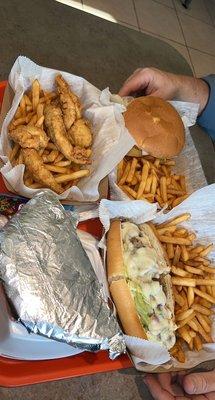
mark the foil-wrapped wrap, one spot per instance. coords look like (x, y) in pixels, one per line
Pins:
(50, 281)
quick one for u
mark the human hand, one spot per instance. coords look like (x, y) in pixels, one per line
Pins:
(171, 386)
(152, 81)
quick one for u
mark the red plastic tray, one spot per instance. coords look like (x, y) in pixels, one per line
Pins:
(19, 373)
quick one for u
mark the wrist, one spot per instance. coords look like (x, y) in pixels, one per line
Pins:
(204, 93)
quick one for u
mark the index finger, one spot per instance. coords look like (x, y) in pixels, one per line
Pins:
(136, 82)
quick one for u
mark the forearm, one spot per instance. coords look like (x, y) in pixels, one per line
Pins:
(193, 90)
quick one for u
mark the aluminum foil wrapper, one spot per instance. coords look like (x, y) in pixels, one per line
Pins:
(50, 281)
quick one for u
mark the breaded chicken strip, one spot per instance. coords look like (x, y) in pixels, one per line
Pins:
(70, 103)
(57, 133)
(35, 166)
(28, 136)
(80, 134)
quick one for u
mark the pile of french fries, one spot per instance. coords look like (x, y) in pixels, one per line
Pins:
(31, 112)
(150, 178)
(193, 280)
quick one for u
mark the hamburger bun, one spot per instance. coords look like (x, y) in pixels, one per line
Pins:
(156, 126)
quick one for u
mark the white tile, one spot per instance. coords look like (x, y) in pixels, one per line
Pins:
(198, 35)
(168, 3)
(72, 3)
(158, 19)
(113, 10)
(197, 9)
(203, 63)
(179, 47)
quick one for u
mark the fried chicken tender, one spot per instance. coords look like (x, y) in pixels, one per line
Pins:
(28, 136)
(70, 103)
(80, 134)
(35, 166)
(57, 132)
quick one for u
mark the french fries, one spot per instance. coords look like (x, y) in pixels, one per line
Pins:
(139, 176)
(193, 280)
(30, 112)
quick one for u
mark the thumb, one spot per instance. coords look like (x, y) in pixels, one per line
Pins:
(200, 383)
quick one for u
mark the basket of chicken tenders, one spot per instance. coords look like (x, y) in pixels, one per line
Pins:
(59, 132)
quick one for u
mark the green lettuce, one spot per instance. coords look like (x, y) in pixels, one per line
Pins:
(143, 308)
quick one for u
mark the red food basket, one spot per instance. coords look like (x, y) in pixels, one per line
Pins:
(18, 373)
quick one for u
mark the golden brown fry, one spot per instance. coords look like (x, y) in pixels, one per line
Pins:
(51, 157)
(130, 191)
(132, 170)
(205, 296)
(120, 168)
(184, 333)
(74, 175)
(170, 250)
(40, 110)
(197, 343)
(184, 282)
(164, 230)
(35, 94)
(179, 271)
(190, 296)
(125, 174)
(62, 163)
(163, 188)
(176, 220)
(177, 297)
(22, 106)
(207, 250)
(193, 270)
(184, 315)
(203, 322)
(179, 200)
(39, 122)
(145, 172)
(177, 255)
(174, 240)
(154, 184)
(56, 169)
(201, 309)
(13, 152)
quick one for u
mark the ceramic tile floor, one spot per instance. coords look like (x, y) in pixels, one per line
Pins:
(191, 32)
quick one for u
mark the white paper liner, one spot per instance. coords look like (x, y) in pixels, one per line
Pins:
(187, 162)
(105, 116)
(201, 206)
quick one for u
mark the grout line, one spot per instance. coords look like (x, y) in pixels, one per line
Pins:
(165, 5)
(162, 37)
(174, 41)
(135, 11)
(180, 24)
(197, 19)
(180, 11)
(201, 51)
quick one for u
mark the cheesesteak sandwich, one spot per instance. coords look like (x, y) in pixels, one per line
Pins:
(139, 282)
